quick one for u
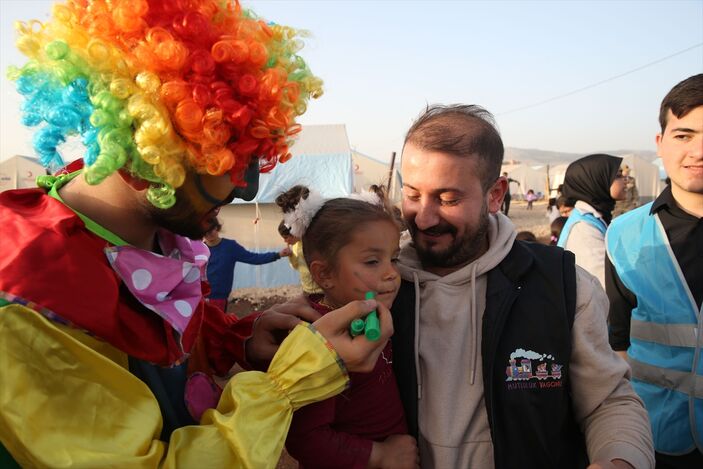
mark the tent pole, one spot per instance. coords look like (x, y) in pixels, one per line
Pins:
(390, 174)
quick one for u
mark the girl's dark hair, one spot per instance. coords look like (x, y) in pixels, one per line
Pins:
(526, 236)
(283, 230)
(565, 202)
(333, 226)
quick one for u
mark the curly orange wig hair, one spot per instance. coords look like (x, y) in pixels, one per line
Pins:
(162, 87)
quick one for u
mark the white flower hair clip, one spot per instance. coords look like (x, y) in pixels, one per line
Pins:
(299, 219)
(369, 197)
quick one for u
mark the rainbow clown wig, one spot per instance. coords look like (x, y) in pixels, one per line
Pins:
(162, 87)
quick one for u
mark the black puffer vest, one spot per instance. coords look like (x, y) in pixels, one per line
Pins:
(526, 351)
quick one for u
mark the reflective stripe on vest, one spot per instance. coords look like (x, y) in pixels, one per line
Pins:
(577, 216)
(665, 331)
(681, 381)
(676, 335)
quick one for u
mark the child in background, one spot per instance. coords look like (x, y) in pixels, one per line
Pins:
(530, 197)
(556, 227)
(351, 247)
(565, 205)
(224, 255)
(297, 261)
(552, 210)
(526, 236)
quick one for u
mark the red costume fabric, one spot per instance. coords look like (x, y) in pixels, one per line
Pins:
(47, 256)
(340, 431)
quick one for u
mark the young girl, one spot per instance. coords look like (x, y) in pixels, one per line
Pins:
(530, 198)
(552, 209)
(350, 246)
(297, 260)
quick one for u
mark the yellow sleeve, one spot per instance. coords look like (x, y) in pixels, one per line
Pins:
(295, 255)
(64, 404)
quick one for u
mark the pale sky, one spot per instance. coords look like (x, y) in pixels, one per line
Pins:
(383, 61)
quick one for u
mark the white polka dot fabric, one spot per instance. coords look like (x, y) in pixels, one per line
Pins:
(168, 285)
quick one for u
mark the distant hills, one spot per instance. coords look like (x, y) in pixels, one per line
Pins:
(535, 157)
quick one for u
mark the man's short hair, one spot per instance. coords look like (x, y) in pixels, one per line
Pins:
(682, 99)
(461, 130)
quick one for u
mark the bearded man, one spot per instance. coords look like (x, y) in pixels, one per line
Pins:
(501, 346)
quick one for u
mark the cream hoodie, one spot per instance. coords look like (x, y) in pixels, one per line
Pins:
(453, 425)
(588, 244)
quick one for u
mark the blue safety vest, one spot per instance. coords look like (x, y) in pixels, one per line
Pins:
(665, 331)
(578, 216)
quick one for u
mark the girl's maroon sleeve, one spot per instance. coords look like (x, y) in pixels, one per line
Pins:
(315, 444)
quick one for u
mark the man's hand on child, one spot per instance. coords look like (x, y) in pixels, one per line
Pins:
(396, 452)
(358, 353)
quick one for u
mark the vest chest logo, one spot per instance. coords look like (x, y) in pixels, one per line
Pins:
(531, 370)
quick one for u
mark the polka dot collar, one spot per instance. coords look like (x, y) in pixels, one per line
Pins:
(167, 284)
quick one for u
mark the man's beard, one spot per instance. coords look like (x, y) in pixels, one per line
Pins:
(461, 251)
(182, 219)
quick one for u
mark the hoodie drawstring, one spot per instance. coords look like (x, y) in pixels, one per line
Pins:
(416, 283)
(474, 324)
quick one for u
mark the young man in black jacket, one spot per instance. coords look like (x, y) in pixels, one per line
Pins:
(654, 281)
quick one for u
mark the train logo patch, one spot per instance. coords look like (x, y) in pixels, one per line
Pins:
(531, 370)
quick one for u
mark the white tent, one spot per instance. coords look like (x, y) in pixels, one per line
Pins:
(556, 177)
(647, 177)
(369, 170)
(662, 172)
(528, 178)
(19, 172)
(321, 160)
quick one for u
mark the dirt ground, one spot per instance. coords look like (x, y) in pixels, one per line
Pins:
(534, 220)
(247, 300)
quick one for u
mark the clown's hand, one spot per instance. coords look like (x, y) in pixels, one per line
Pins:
(273, 326)
(358, 353)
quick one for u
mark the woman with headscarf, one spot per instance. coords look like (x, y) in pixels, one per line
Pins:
(595, 182)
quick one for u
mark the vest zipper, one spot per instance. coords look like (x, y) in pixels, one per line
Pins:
(494, 348)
